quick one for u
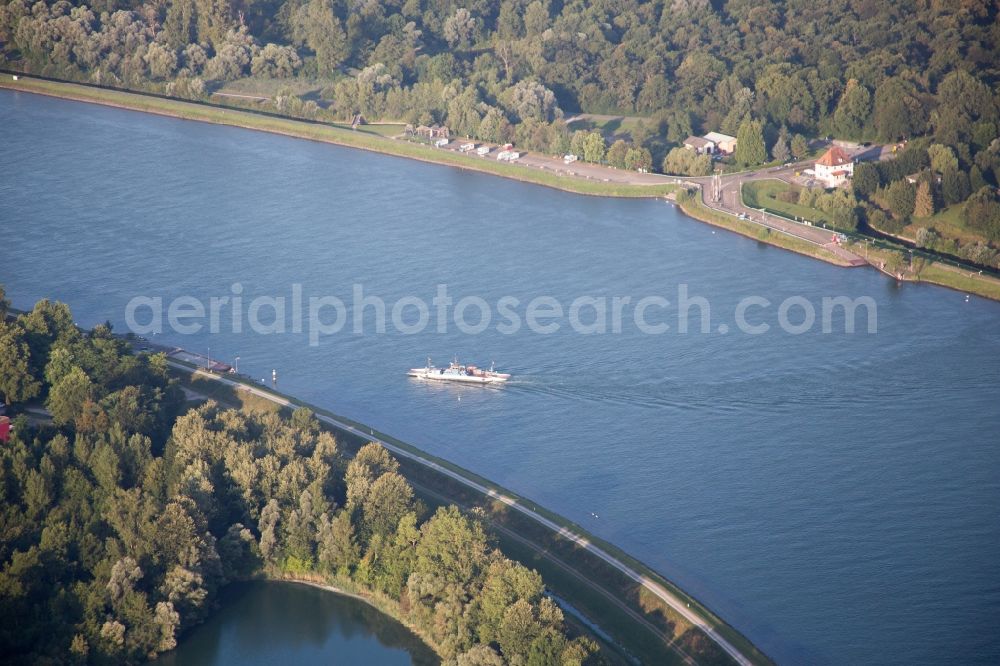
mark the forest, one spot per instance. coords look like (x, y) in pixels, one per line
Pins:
(856, 69)
(122, 518)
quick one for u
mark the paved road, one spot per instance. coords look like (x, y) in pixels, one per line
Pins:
(655, 588)
(731, 202)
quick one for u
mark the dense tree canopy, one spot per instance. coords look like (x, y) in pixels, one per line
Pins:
(120, 521)
(856, 69)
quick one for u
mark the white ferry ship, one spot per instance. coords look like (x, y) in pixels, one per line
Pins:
(456, 372)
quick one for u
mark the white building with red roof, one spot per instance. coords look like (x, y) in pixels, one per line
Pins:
(835, 167)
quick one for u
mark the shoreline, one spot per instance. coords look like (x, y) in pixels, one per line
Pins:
(588, 555)
(697, 210)
(329, 133)
(390, 608)
(359, 139)
(321, 132)
(322, 585)
(387, 608)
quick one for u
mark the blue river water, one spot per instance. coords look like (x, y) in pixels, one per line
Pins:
(834, 496)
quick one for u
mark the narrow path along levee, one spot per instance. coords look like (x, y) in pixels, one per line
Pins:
(658, 590)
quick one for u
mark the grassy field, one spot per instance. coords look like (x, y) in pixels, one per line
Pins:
(644, 626)
(960, 280)
(948, 223)
(267, 87)
(613, 127)
(764, 194)
(383, 129)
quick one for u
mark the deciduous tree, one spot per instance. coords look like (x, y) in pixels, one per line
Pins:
(901, 198)
(853, 110)
(17, 382)
(593, 147)
(460, 28)
(315, 25)
(389, 499)
(750, 148)
(865, 180)
(66, 398)
(800, 147)
(338, 549)
(954, 186)
(781, 151)
(616, 154)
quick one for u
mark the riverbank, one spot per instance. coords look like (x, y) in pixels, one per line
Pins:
(380, 602)
(360, 139)
(895, 264)
(267, 620)
(647, 614)
(691, 205)
(891, 254)
(936, 270)
(325, 133)
(374, 142)
(347, 588)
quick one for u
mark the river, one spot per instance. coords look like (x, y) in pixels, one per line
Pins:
(834, 496)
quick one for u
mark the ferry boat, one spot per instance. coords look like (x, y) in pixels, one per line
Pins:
(456, 372)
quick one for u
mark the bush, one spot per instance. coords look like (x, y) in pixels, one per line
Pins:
(927, 237)
(877, 219)
(807, 197)
(685, 162)
(979, 253)
(982, 212)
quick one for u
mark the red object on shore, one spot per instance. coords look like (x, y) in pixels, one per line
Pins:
(4, 429)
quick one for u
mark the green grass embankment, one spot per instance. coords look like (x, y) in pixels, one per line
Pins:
(963, 279)
(693, 206)
(960, 280)
(764, 194)
(642, 624)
